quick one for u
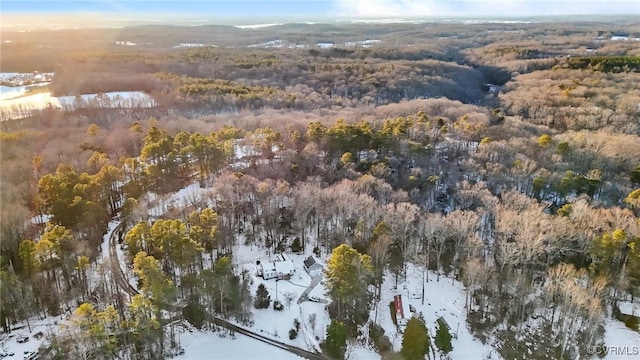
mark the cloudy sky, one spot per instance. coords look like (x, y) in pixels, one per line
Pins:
(331, 8)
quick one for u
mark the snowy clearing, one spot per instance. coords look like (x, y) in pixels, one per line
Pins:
(220, 345)
(41, 219)
(442, 298)
(276, 324)
(256, 26)
(181, 199)
(356, 351)
(624, 342)
(15, 343)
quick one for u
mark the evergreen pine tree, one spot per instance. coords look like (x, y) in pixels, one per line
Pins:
(262, 297)
(423, 324)
(443, 337)
(336, 341)
(415, 342)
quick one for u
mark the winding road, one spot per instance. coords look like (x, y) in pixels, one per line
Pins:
(121, 281)
(118, 273)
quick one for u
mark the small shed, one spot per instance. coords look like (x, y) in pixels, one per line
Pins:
(312, 266)
(403, 310)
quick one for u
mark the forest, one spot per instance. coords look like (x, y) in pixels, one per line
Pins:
(503, 157)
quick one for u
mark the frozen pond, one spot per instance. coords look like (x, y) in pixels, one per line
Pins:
(10, 92)
(27, 105)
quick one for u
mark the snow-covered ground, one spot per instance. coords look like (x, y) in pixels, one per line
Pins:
(442, 298)
(629, 308)
(362, 43)
(323, 45)
(21, 106)
(276, 324)
(620, 342)
(183, 198)
(125, 43)
(13, 343)
(220, 345)
(356, 351)
(10, 92)
(41, 219)
(192, 45)
(279, 44)
(115, 99)
(256, 26)
(19, 79)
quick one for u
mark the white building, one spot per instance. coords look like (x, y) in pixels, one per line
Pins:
(281, 268)
(629, 308)
(312, 266)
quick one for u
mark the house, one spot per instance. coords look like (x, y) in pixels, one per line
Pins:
(630, 309)
(281, 268)
(312, 266)
(403, 310)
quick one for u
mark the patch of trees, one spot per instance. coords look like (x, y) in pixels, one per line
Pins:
(251, 78)
(607, 64)
(224, 91)
(567, 99)
(348, 274)
(134, 331)
(81, 201)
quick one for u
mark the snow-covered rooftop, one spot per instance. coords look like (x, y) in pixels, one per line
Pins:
(629, 308)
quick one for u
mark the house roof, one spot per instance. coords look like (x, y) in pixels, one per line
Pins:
(310, 261)
(268, 266)
(282, 257)
(629, 308)
(284, 267)
(402, 309)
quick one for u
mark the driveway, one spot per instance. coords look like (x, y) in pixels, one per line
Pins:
(315, 280)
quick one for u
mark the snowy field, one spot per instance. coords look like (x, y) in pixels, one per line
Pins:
(278, 44)
(256, 26)
(115, 99)
(442, 298)
(20, 107)
(220, 345)
(625, 340)
(183, 198)
(322, 45)
(192, 45)
(13, 343)
(11, 92)
(276, 324)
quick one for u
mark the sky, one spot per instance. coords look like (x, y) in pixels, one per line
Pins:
(330, 8)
